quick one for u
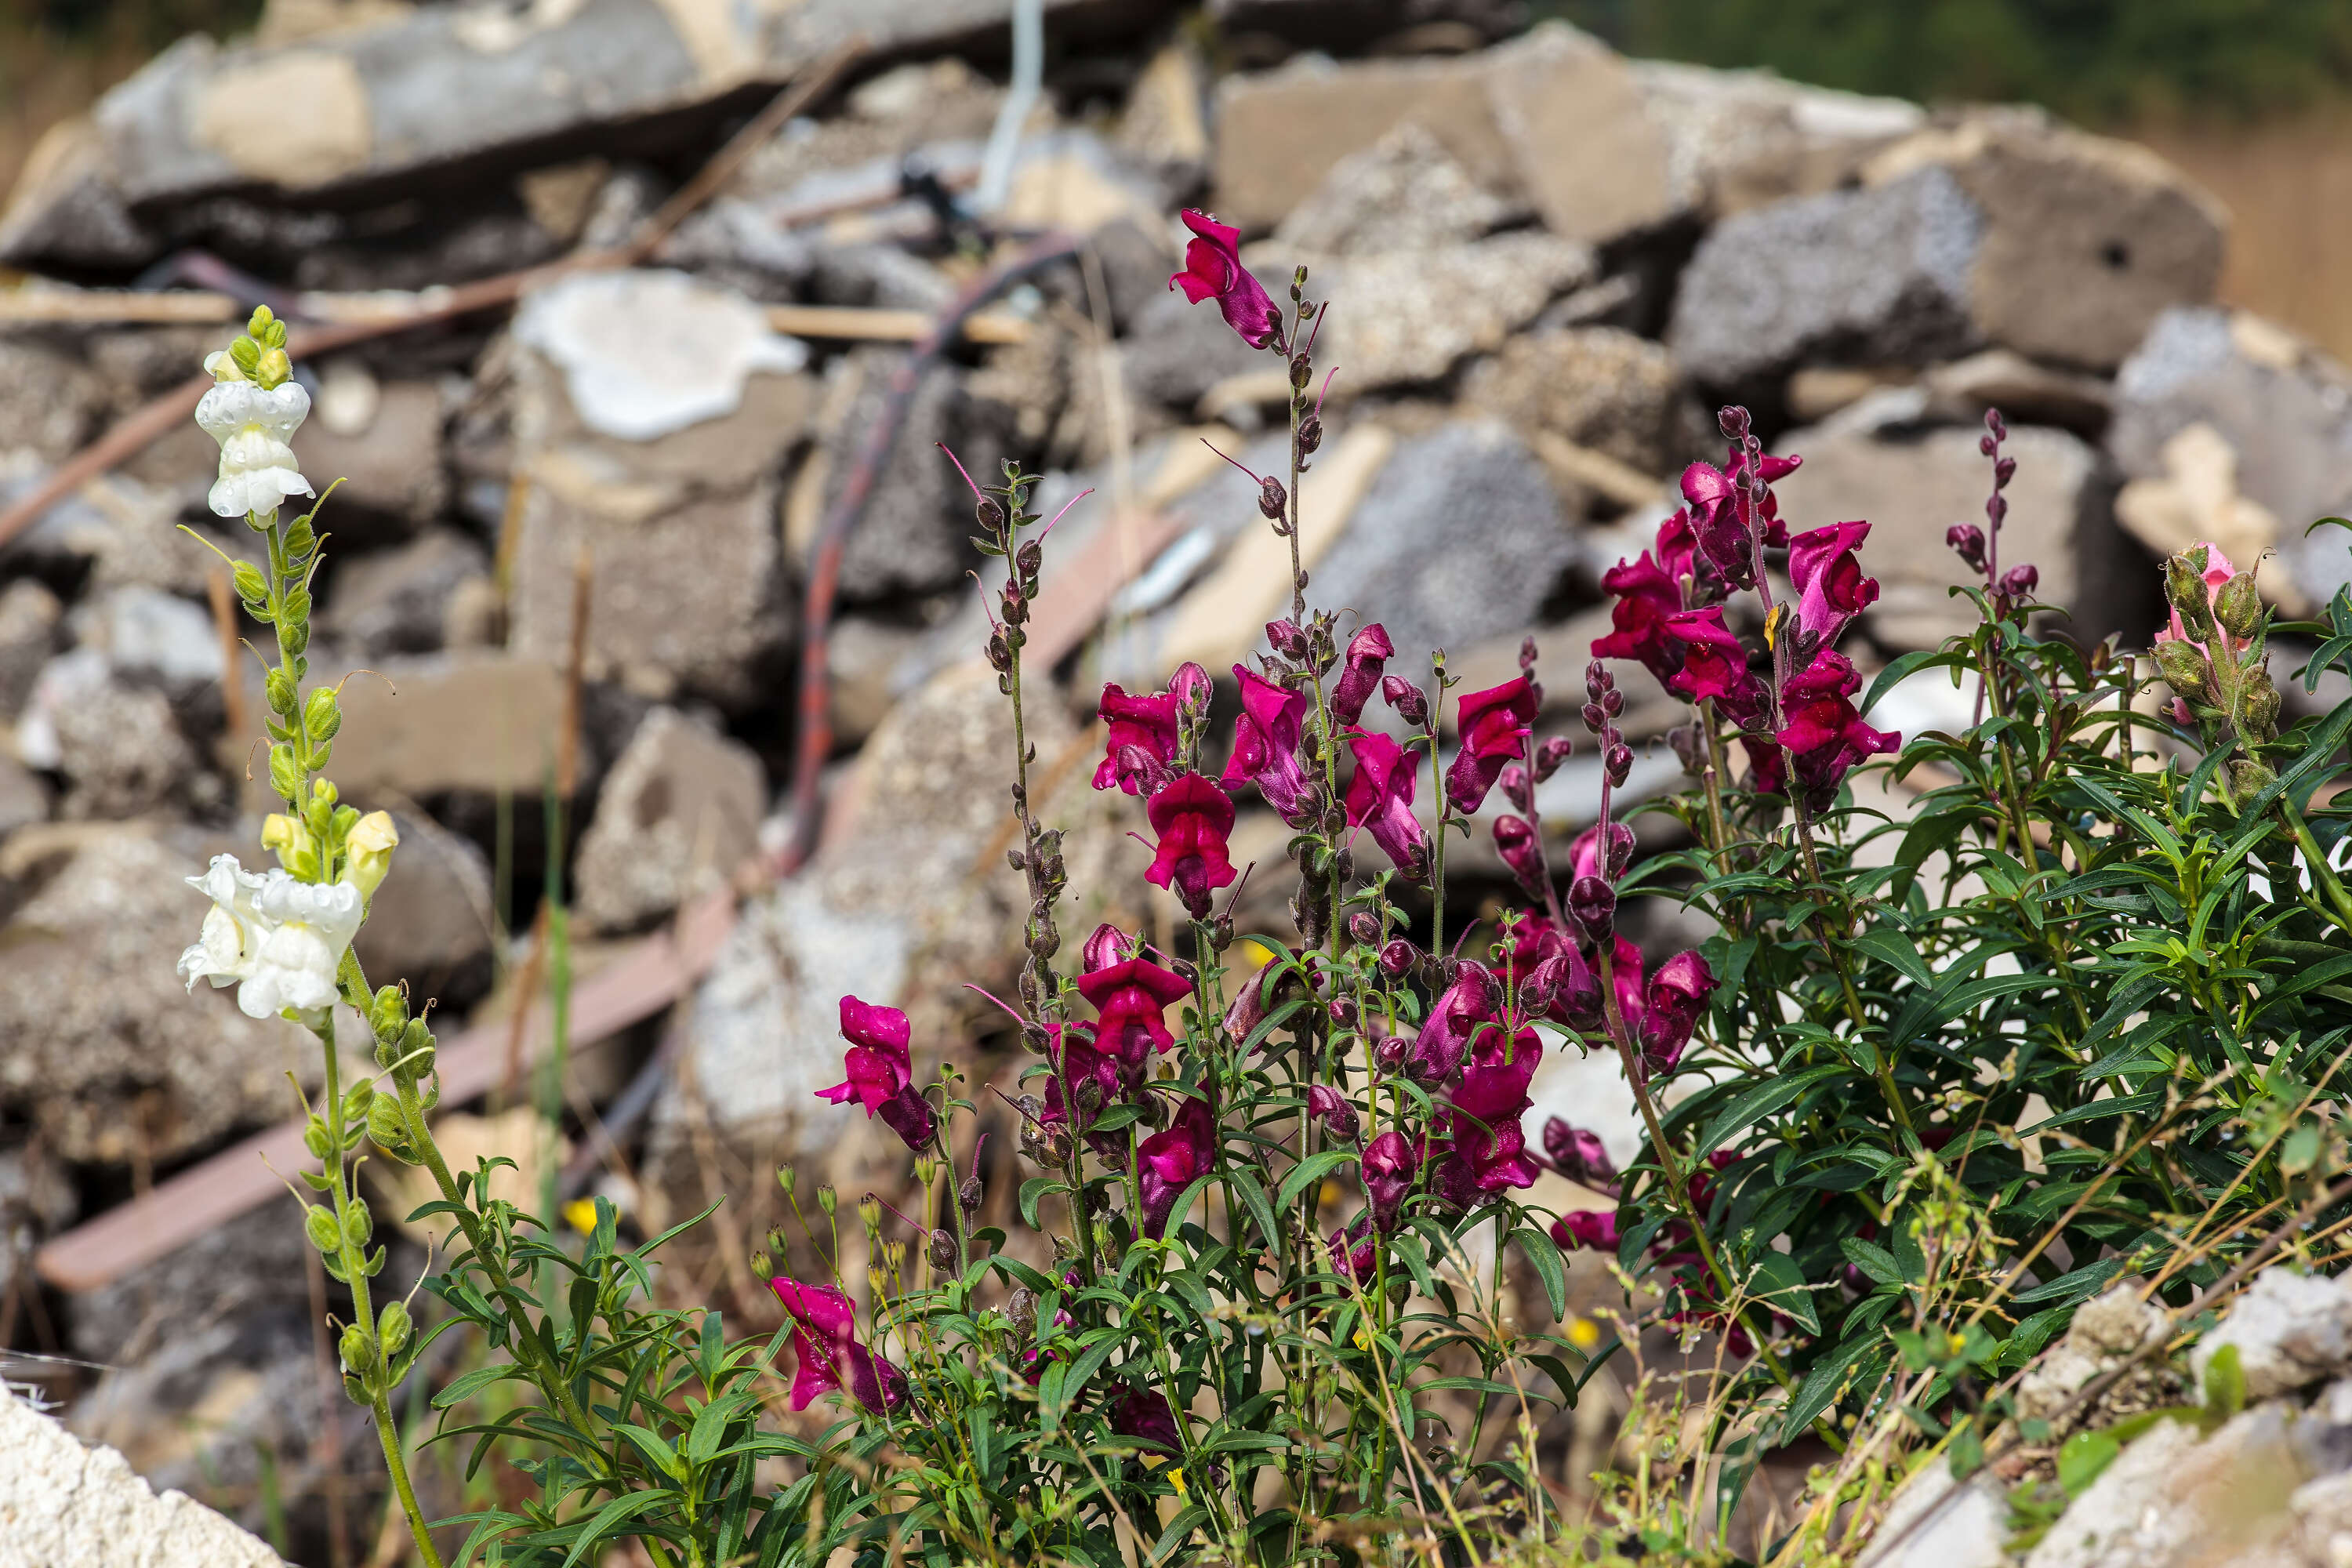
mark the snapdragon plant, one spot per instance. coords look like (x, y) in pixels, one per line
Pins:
(1934, 1079)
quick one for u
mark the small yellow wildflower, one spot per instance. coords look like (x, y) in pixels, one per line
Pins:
(1583, 1333)
(1176, 1479)
(581, 1214)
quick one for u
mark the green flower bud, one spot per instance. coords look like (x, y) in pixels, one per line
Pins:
(391, 1326)
(763, 1266)
(829, 1200)
(293, 637)
(2184, 585)
(324, 792)
(318, 1224)
(416, 1042)
(276, 337)
(321, 715)
(245, 354)
(279, 690)
(285, 773)
(386, 1129)
(388, 1013)
(2249, 778)
(251, 586)
(259, 323)
(2239, 606)
(316, 1139)
(356, 1104)
(788, 1179)
(359, 1223)
(274, 368)
(296, 606)
(358, 1350)
(869, 1214)
(2262, 704)
(2184, 668)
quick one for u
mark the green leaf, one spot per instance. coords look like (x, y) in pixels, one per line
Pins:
(2083, 1457)
(1874, 1260)
(1309, 1171)
(610, 1515)
(1908, 665)
(1779, 1285)
(1762, 1100)
(1888, 944)
(1820, 1389)
(2225, 1383)
(1544, 1253)
(1254, 1198)
(2080, 1285)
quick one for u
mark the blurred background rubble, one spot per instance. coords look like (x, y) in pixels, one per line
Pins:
(1551, 256)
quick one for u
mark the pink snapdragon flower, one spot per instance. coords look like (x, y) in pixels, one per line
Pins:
(1193, 818)
(825, 1342)
(1171, 1159)
(1213, 270)
(1265, 746)
(1130, 999)
(1147, 721)
(1368, 654)
(1577, 1154)
(1831, 587)
(880, 1069)
(1593, 1228)
(1380, 797)
(1494, 732)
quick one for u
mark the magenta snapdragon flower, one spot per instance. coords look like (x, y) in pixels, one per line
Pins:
(881, 1071)
(1147, 721)
(825, 1342)
(1715, 666)
(1368, 654)
(1130, 999)
(1649, 590)
(1171, 1159)
(1380, 797)
(1265, 746)
(1831, 587)
(1389, 1165)
(1821, 729)
(1194, 818)
(1494, 732)
(1577, 1154)
(1213, 270)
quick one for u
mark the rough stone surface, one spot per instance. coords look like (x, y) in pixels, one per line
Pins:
(679, 812)
(50, 402)
(61, 1503)
(428, 925)
(1966, 1532)
(1911, 485)
(2170, 1501)
(2087, 240)
(23, 798)
(1598, 165)
(1405, 192)
(1407, 316)
(1600, 387)
(108, 1053)
(680, 531)
(1179, 351)
(912, 536)
(1874, 275)
(118, 746)
(65, 210)
(398, 601)
(648, 353)
(476, 721)
(1742, 139)
(2105, 1330)
(383, 441)
(29, 615)
(2291, 1330)
(1505, 542)
(2285, 408)
(36, 1201)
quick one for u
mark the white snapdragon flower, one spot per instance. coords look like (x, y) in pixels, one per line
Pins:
(278, 940)
(253, 426)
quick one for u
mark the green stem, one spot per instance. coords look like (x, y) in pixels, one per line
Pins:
(395, 1460)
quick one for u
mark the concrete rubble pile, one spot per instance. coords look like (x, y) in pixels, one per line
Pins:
(1548, 264)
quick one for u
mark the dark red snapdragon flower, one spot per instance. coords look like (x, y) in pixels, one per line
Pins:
(1380, 797)
(1831, 587)
(1130, 999)
(1716, 513)
(1822, 730)
(1593, 1228)
(880, 1069)
(1715, 666)
(1577, 1154)
(1194, 818)
(1359, 675)
(1352, 1251)
(1329, 1106)
(1213, 270)
(1170, 1160)
(825, 1342)
(1671, 1001)
(1494, 732)
(1145, 1414)
(1649, 590)
(1266, 747)
(1485, 1149)
(1388, 1166)
(1105, 945)
(1461, 1011)
(1516, 841)
(1147, 721)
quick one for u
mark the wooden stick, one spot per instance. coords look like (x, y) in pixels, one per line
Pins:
(868, 324)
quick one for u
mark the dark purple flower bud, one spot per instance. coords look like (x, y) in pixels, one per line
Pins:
(1388, 1050)
(1515, 839)
(1329, 1107)
(1596, 680)
(1612, 702)
(1247, 1011)
(2004, 471)
(1995, 425)
(1286, 639)
(1388, 1166)
(1676, 996)
(1359, 677)
(1580, 1155)
(1406, 698)
(1733, 421)
(1135, 765)
(2019, 582)
(1997, 509)
(1271, 498)
(1593, 903)
(1618, 763)
(1542, 986)
(1517, 787)
(1968, 542)
(1550, 754)
(1398, 958)
(1596, 718)
(1364, 926)
(1527, 655)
